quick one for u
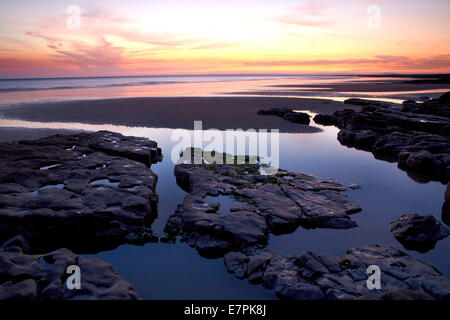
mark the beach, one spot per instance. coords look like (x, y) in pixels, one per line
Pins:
(217, 110)
(166, 270)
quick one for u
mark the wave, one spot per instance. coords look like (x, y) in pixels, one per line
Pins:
(98, 85)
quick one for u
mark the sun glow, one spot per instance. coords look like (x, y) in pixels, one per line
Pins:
(157, 37)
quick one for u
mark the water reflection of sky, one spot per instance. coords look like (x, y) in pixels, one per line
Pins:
(176, 271)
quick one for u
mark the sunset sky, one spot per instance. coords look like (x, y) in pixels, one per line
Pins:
(209, 36)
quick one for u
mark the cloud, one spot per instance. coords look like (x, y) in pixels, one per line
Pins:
(312, 14)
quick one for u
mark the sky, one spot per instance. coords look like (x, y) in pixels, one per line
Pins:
(136, 37)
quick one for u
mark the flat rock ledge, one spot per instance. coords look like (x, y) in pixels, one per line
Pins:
(312, 276)
(277, 203)
(415, 135)
(82, 191)
(43, 277)
(418, 232)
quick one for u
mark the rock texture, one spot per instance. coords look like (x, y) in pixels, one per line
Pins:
(43, 277)
(276, 203)
(439, 107)
(313, 276)
(82, 191)
(418, 232)
(287, 114)
(446, 207)
(415, 135)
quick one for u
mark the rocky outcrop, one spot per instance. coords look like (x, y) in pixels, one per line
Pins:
(313, 276)
(43, 277)
(446, 207)
(439, 107)
(368, 102)
(416, 136)
(274, 112)
(297, 117)
(418, 232)
(277, 203)
(325, 119)
(287, 114)
(82, 191)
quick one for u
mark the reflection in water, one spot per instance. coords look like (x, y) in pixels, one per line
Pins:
(176, 271)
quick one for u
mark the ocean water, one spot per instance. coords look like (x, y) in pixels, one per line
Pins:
(16, 91)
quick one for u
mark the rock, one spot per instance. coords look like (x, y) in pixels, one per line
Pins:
(43, 277)
(297, 291)
(438, 107)
(362, 139)
(418, 232)
(111, 143)
(315, 276)
(355, 186)
(365, 102)
(63, 191)
(297, 117)
(447, 193)
(416, 136)
(17, 241)
(325, 119)
(276, 204)
(275, 111)
(446, 207)
(406, 294)
(422, 160)
(287, 114)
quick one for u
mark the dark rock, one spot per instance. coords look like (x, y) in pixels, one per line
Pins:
(325, 119)
(365, 102)
(406, 294)
(447, 193)
(418, 232)
(314, 276)
(416, 136)
(421, 160)
(17, 241)
(287, 114)
(43, 277)
(361, 139)
(438, 107)
(297, 117)
(446, 207)
(62, 191)
(278, 204)
(275, 111)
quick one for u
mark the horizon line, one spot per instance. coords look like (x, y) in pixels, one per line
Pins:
(236, 74)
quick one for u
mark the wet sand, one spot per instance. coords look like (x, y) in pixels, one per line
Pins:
(369, 86)
(215, 112)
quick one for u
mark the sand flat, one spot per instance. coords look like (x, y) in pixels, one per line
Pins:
(215, 112)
